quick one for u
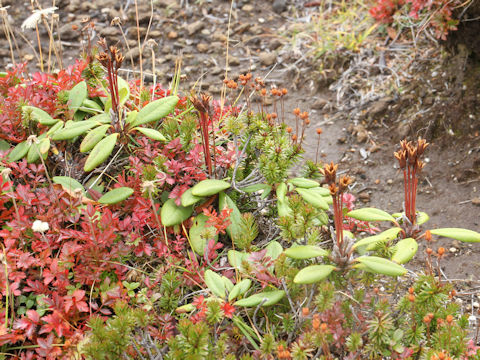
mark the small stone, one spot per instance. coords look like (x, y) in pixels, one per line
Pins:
(279, 6)
(172, 35)
(195, 27)
(70, 31)
(476, 304)
(202, 47)
(453, 250)
(476, 201)
(219, 36)
(110, 32)
(233, 60)
(267, 58)
(377, 181)
(248, 8)
(319, 104)
(364, 197)
(389, 181)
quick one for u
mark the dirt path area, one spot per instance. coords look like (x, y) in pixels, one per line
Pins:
(260, 41)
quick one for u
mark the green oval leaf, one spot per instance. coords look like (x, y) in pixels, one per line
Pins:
(100, 152)
(74, 130)
(322, 191)
(301, 252)
(257, 187)
(459, 234)
(39, 115)
(236, 258)
(209, 187)
(281, 191)
(151, 133)
(313, 273)
(93, 137)
(116, 195)
(422, 217)
(197, 231)
(370, 214)
(234, 230)
(404, 250)
(382, 266)
(103, 118)
(77, 95)
(19, 151)
(215, 283)
(313, 198)
(68, 183)
(55, 128)
(123, 90)
(270, 297)
(274, 249)
(156, 110)
(384, 236)
(188, 198)
(228, 283)
(171, 214)
(90, 107)
(33, 153)
(239, 289)
(44, 146)
(304, 183)
(283, 209)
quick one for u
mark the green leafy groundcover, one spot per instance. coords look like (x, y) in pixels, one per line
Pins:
(158, 226)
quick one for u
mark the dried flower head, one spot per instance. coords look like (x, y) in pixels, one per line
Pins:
(330, 172)
(32, 21)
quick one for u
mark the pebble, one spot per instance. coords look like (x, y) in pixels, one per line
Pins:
(267, 58)
(476, 201)
(195, 27)
(248, 8)
(389, 181)
(172, 35)
(377, 181)
(233, 60)
(279, 6)
(453, 250)
(202, 47)
(476, 304)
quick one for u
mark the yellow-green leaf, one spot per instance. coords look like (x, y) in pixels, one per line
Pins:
(93, 137)
(188, 198)
(304, 183)
(151, 133)
(281, 191)
(267, 297)
(39, 115)
(72, 130)
(382, 266)
(19, 151)
(459, 234)
(239, 289)
(156, 110)
(372, 241)
(370, 214)
(215, 283)
(404, 250)
(197, 232)
(77, 95)
(100, 152)
(209, 187)
(116, 195)
(172, 214)
(68, 183)
(313, 273)
(301, 252)
(313, 198)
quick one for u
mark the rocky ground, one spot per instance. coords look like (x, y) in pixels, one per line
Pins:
(361, 126)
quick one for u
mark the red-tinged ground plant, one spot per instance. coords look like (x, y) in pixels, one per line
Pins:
(437, 14)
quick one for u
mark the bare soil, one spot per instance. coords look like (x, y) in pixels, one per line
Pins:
(440, 101)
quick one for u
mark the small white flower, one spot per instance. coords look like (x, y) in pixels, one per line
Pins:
(40, 226)
(472, 320)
